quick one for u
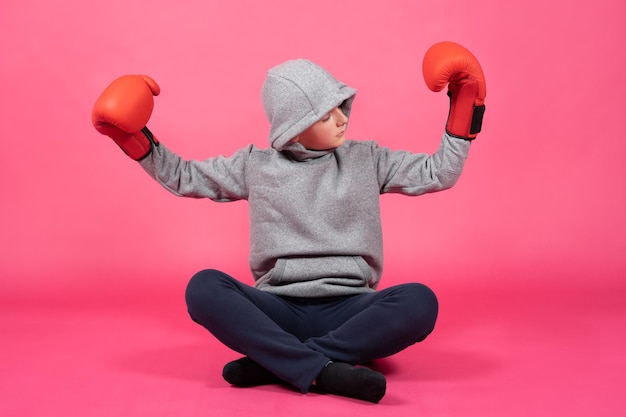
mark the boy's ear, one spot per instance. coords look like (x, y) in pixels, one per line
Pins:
(294, 140)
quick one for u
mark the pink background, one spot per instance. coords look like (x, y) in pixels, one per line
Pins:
(526, 252)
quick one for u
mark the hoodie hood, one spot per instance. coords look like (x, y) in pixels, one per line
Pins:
(297, 94)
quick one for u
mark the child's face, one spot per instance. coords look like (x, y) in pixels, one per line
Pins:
(327, 133)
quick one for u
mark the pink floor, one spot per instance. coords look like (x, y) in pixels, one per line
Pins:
(501, 349)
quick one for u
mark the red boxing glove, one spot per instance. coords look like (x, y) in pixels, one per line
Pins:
(450, 63)
(122, 112)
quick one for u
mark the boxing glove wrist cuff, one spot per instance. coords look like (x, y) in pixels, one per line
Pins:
(477, 120)
(152, 142)
(138, 145)
(461, 124)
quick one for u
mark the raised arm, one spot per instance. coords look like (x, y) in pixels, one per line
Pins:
(122, 112)
(445, 64)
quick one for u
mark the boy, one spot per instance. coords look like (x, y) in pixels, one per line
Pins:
(315, 240)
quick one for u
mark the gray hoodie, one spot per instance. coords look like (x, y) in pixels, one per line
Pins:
(315, 227)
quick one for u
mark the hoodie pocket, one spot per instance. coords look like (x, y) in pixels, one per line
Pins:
(342, 270)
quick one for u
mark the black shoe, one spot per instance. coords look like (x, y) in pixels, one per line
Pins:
(349, 381)
(245, 372)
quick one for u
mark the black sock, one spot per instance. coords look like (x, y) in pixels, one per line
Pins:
(245, 372)
(349, 381)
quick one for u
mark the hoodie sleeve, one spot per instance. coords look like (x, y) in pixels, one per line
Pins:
(418, 173)
(220, 178)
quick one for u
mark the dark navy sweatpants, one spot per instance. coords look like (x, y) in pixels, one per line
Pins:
(296, 337)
